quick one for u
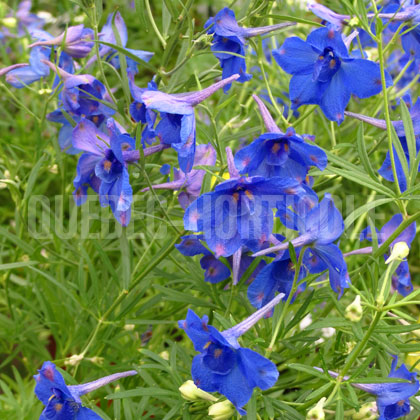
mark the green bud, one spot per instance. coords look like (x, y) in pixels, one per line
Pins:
(368, 411)
(354, 311)
(223, 410)
(191, 392)
(317, 412)
(399, 252)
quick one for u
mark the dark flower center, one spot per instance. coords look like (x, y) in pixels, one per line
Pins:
(326, 66)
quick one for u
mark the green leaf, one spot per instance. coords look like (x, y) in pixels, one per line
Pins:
(364, 158)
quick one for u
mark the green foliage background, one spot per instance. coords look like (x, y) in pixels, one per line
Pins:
(115, 296)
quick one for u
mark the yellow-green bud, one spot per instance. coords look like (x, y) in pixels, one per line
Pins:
(354, 311)
(368, 411)
(74, 360)
(9, 22)
(354, 22)
(317, 412)
(223, 410)
(191, 392)
(399, 251)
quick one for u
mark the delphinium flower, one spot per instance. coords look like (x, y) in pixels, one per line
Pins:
(277, 276)
(319, 227)
(401, 280)
(228, 38)
(77, 41)
(392, 397)
(36, 69)
(324, 74)
(223, 365)
(62, 402)
(107, 35)
(215, 270)
(279, 154)
(177, 120)
(237, 211)
(190, 183)
(103, 167)
(386, 169)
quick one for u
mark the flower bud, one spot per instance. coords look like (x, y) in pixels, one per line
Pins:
(399, 251)
(74, 360)
(354, 311)
(191, 392)
(317, 412)
(368, 411)
(223, 410)
(129, 327)
(9, 22)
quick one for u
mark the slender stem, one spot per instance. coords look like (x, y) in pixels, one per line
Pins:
(386, 104)
(153, 23)
(333, 139)
(287, 303)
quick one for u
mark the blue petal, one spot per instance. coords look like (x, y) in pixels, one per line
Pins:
(327, 37)
(215, 270)
(191, 245)
(336, 97)
(87, 414)
(219, 359)
(296, 56)
(303, 90)
(407, 235)
(48, 379)
(87, 137)
(250, 157)
(22, 76)
(260, 371)
(308, 154)
(197, 329)
(202, 376)
(364, 77)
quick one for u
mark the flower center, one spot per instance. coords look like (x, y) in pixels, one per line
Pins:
(326, 66)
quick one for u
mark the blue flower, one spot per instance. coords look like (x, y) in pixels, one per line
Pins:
(279, 154)
(223, 365)
(401, 280)
(319, 227)
(275, 277)
(36, 69)
(215, 270)
(237, 211)
(63, 402)
(77, 41)
(228, 38)
(324, 74)
(393, 398)
(177, 124)
(103, 167)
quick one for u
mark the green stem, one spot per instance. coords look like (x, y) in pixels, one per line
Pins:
(287, 303)
(153, 23)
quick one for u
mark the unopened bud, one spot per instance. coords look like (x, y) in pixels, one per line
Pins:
(223, 410)
(129, 327)
(74, 360)
(317, 413)
(368, 411)
(164, 355)
(9, 22)
(399, 252)
(354, 22)
(354, 311)
(191, 392)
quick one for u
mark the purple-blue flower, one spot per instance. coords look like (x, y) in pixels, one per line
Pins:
(392, 397)
(279, 154)
(229, 43)
(103, 167)
(62, 402)
(77, 41)
(324, 74)
(177, 120)
(239, 210)
(319, 227)
(223, 365)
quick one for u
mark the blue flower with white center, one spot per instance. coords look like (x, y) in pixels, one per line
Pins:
(324, 74)
(62, 402)
(223, 365)
(103, 167)
(319, 227)
(279, 154)
(229, 43)
(176, 127)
